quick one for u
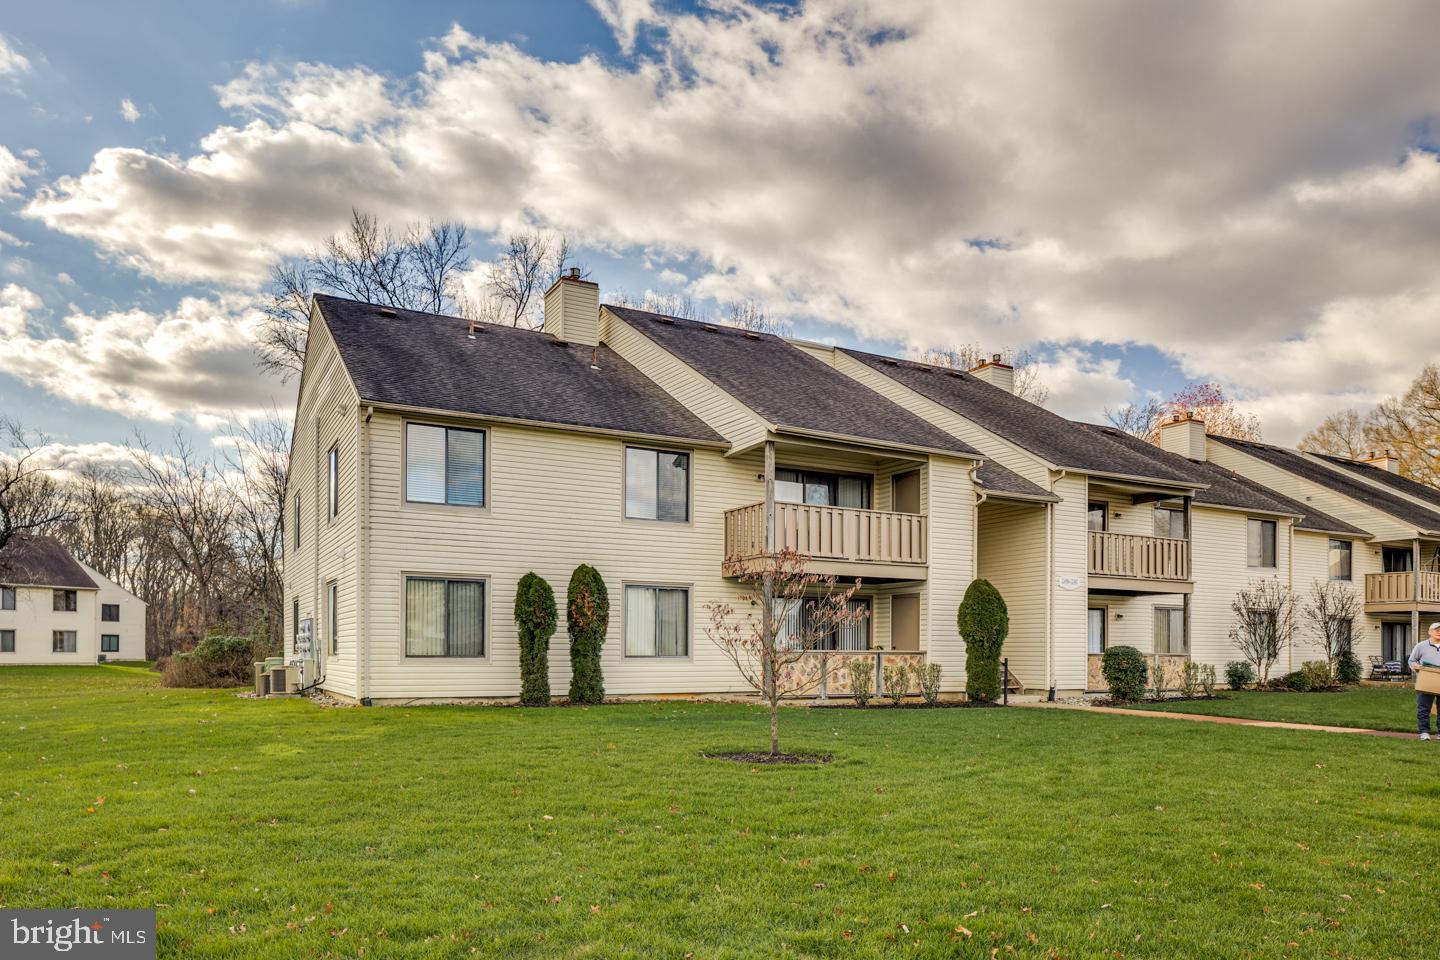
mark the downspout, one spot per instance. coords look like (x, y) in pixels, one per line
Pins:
(1050, 591)
(1290, 575)
(362, 560)
(974, 526)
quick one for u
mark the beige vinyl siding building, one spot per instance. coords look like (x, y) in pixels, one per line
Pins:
(56, 610)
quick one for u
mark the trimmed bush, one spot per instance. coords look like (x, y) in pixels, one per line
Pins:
(587, 617)
(862, 678)
(897, 682)
(1239, 674)
(983, 622)
(1298, 680)
(535, 618)
(1207, 680)
(1347, 668)
(1125, 673)
(927, 676)
(1318, 673)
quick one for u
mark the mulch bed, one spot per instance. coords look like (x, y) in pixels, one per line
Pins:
(1107, 702)
(783, 759)
(887, 705)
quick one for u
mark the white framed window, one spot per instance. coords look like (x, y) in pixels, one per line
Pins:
(657, 621)
(109, 643)
(7, 641)
(444, 618)
(332, 614)
(65, 601)
(444, 465)
(62, 641)
(7, 598)
(334, 481)
(296, 520)
(1170, 630)
(1170, 523)
(657, 485)
(1341, 557)
(1095, 621)
(1260, 543)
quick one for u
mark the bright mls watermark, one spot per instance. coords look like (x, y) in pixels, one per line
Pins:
(117, 934)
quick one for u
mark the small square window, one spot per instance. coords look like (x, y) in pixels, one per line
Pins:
(63, 641)
(7, 641)
(110, 612)
(65, 601)
(657, 485)
(109, 643)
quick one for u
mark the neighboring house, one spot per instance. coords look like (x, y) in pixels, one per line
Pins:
(54, 609)
(436, 462)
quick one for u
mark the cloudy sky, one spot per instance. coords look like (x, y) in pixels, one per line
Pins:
(1142, 193)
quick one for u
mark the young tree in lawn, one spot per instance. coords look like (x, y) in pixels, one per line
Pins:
(767, 642)
(535, 616)
(1264, 624)
(1330, 609)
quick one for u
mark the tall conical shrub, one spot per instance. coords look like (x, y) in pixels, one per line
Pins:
(535, 618)
(983, 621)
(587, 616)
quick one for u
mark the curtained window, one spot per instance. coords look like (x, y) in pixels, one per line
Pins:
(657, 485)
(1260, 548)
(1341, 554)
(444, 465)
(824, 489)
(444, 618)
(657, 621)
(1170, 523)
(63, 641)
(1170, 630)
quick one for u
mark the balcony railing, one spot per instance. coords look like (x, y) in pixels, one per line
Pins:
(1399, 588)
(829, 533)
(1139, 558)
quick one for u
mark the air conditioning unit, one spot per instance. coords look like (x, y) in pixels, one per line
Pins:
(261, 687)
(100, 659)
(279, 677)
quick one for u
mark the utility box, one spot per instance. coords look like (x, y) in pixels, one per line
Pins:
(1427, 679)
(260, 687)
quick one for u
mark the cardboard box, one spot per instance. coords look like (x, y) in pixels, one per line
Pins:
(1427, 679)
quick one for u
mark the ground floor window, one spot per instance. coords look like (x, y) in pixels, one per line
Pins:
(1170, 630)
(1096, 618)
(63, 641)
(852, 636)
(332, 614)
(444, 618)
(109, 643)
(1395, 641)
(7, 641)
(657, 621)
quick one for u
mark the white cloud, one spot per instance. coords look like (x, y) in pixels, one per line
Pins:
(1083, 386)
(129, 111)
(1212, 180)
(13, 171)
(195, 361)
(12, 61)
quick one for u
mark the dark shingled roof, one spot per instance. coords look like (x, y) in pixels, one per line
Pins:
(1293, 461)
(1000, 481)
(32, 561)
(1048, 435)
(426, 360)
(1384, 477)
(1230, 489)
(787, 386)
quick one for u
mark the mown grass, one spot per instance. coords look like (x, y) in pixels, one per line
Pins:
(1373, 708)
(280, 829)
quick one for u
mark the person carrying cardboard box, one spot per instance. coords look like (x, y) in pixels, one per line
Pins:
(1426, 654)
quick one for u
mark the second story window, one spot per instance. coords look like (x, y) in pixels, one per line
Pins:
(1170, 523)
(65, 600)
(1095, 517)
(7, 598)
(1341, 554)
(444, 465)
(334, 482)
(657, 485)
(295, 519)
(110, 612)
(1260, 543)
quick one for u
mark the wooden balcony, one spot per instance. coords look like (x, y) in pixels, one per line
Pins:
(1395, 592)
(1134, 564)
(843, 541)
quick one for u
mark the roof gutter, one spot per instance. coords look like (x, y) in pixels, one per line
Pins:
(881, 444)
(383, 406)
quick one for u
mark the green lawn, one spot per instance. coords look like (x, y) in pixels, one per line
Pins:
(279, 829)
(1375, 708)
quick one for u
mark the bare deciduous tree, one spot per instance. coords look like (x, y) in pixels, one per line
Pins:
(31, 499)
(1264, 623)
(416, 270)
(259, 458)
(1137, 419)
(1330, 609)
(968, 356)
(517, 280)
(1343, 434)
(1410, 426)
(788, 613)
(750, 314)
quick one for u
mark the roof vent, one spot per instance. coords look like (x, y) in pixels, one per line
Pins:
(387, 312)
(669, 320)
(892, 362)
(751, 335)
(957, 374)
(560, 343)
(594, 358)
(710, 329)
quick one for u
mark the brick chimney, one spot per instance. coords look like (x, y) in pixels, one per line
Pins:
(572, 309)
(1184, 433)
(996, 374)
(1384, 459)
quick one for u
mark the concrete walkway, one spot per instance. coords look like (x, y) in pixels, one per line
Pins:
(1206, 718)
